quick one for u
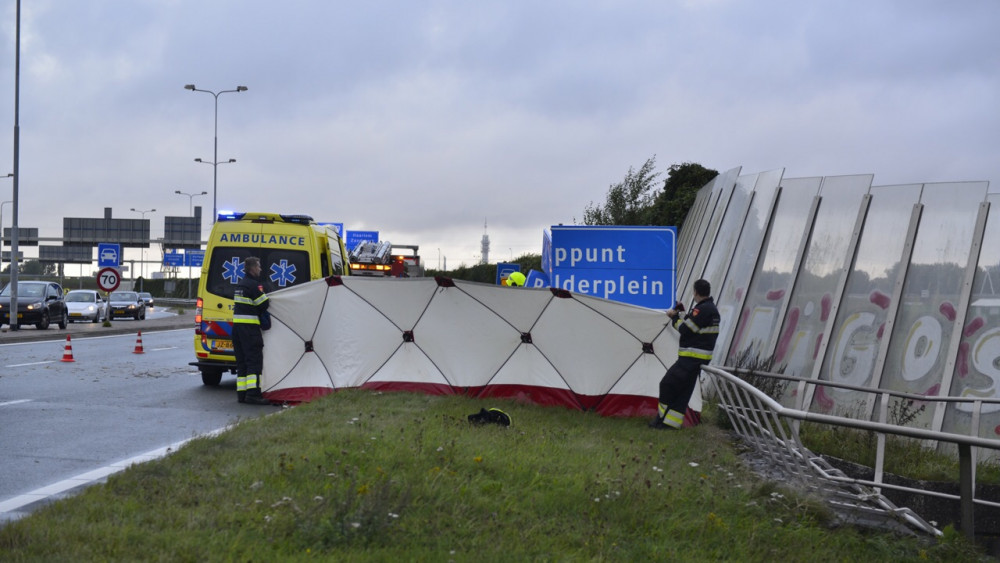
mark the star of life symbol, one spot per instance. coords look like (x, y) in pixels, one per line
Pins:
(233, 270)
(283, 273)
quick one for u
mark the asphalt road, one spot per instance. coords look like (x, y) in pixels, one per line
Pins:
(68, 424)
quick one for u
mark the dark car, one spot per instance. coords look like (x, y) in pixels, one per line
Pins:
(38, 303)
(126, 304)
(147, 298)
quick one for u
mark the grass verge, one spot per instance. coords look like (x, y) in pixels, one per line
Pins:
(370, 476)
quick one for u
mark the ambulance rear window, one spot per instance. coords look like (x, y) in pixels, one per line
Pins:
(280, 268)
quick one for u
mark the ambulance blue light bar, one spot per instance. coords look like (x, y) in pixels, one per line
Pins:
(300, 219)
(229, 216)
(264, 218)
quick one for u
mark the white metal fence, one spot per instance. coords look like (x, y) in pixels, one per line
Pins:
(773, 430)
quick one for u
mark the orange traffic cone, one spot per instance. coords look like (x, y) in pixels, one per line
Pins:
(138, 344)
(68, 351)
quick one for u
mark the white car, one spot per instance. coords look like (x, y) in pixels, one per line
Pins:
(85, 305)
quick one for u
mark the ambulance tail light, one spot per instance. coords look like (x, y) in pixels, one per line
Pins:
(197, 315)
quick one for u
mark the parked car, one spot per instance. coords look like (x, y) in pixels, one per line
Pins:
(38, 303)
(126, 304)
(147, 298)
(86, 305)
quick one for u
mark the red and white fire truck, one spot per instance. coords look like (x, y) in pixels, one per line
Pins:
(385, 259)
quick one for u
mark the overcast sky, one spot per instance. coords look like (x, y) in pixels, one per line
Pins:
(423, 120)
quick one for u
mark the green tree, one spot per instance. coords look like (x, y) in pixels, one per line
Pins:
(628, 202)
(679, 191)
(484, 273)
(529, 262)
(487, 273)
(34, 268)
(637, 200)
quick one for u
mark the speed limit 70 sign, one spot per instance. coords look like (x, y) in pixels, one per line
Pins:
(108, 279)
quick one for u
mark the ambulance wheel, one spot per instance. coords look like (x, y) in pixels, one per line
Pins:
(211, 377)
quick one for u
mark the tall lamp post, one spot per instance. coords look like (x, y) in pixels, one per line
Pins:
(215, 159)
(17, 169)
(190, 200)
(142, 263)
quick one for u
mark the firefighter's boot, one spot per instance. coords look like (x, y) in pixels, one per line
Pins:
(254, 397)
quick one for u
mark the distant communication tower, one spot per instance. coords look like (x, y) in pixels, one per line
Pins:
(485, 246)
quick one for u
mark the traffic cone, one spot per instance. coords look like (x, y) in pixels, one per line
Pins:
(138, 344)
(68, 351)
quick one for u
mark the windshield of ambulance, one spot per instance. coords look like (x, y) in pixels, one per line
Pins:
(279, 268)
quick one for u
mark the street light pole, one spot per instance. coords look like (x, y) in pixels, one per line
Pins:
(142, 263)
(215, 159)
(190, 200)
(12, 319)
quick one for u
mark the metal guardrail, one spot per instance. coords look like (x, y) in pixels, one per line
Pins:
(171, 302)
(757, 418)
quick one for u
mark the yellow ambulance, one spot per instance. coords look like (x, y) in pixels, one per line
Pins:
(293, 249)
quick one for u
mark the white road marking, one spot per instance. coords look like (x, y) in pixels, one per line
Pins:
(19, 401)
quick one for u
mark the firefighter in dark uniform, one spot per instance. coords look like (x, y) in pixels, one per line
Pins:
(699, 330)
(249, 304)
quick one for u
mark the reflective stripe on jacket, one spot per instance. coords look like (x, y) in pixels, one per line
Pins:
(699, 330)
(249, 301)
